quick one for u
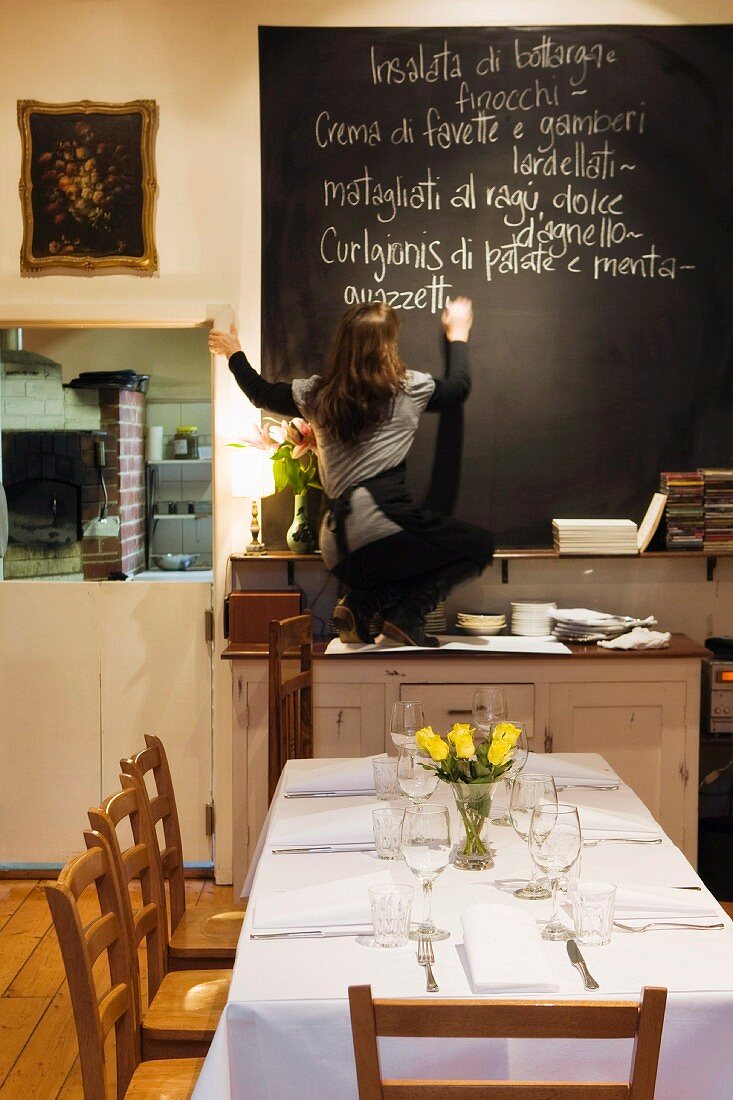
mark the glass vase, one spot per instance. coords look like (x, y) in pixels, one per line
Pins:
(300, 537)
(473, 802)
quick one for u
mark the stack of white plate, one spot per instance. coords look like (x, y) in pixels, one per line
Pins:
(580, 624)
(436, 622)
(480, 623)
(532, 619)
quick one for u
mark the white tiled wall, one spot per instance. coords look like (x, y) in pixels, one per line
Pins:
(171, 414)
(182, 482)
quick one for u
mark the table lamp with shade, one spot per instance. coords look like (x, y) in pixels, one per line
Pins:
(252, 478)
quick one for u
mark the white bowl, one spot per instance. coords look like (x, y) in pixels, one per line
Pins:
(175, 562)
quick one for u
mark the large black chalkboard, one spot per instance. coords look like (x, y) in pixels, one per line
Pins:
(576, 183)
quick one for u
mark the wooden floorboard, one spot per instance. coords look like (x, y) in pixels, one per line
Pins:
(38, 1049)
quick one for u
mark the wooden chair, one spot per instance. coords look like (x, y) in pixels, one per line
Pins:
(98, 1006)
(183, 1007)
(507, 1020)
(290, 699)
(198, 939)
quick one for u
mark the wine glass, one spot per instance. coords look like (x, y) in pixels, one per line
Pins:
(521, 752)
(554, 841)
(407, 718)
(489, 706)
(415, 780)
(426, 848)
(529, 789)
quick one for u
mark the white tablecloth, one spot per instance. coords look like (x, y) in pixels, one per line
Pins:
(285, 1034)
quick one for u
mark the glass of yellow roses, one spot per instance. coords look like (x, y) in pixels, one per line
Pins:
(472, 771)
(521, 752)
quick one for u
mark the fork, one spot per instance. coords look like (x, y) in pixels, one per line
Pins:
(426, 956)
(664, 925)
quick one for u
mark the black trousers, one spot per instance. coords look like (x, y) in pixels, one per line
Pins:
(403, 569)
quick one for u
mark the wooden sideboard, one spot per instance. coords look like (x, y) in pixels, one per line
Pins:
(639, 710)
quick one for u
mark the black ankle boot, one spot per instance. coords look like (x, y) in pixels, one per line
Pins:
(406, 627)
(351, 618)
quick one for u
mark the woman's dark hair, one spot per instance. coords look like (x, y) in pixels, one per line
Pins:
(364, 373)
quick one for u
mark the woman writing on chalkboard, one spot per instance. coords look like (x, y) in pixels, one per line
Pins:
(396, 559)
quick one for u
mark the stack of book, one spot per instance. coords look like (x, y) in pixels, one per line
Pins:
(684, 513)
(718, 509)
(594, 536)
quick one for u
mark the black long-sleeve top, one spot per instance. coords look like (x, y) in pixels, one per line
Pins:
(277, 397)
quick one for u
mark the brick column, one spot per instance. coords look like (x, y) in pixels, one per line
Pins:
(122, 419)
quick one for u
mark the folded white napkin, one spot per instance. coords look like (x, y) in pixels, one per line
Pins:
(331, 906)
(350, 825)
(505, 950)
(352, 776)
(599, 825)
(566, 773)
(639, 638)
(662, 905)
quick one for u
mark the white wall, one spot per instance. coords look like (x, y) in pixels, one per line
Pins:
(198, 60)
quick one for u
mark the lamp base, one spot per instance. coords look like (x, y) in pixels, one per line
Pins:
(255, 546)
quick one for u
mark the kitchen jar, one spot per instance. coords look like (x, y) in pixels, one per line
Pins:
(186, 441)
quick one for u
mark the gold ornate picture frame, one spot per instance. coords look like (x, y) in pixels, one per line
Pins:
(88, 187)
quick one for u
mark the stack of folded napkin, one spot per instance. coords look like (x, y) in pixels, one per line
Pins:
(330, 909)
(567, 774)
(601, 825)
(662, 905)
(349, 825)
(350, 776)
(505, 951)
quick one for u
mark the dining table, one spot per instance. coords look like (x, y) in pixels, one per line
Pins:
(285, 1033)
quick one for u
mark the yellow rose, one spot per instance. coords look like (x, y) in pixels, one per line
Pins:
(460, 729)
(508, 732)
(498, 751)
(464, 746)
(424, 736)
(437, 748)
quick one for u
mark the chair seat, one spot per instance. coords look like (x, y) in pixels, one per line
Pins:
(185, 1010)
(204, 933)
(169, 1079)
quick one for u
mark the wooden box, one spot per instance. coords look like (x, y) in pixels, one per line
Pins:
(251, 612)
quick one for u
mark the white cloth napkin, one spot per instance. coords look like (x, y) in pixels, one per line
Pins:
(352, 776)
(662, 905)
(599, 825)
(639, 638)
(349, 825)
(567, 773)
(331, 906)
(505, 950)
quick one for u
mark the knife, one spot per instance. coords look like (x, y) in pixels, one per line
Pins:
(281, 850)
(579, 963)
(331, 794)
(311, 933)
(620, 840)
(583, 787)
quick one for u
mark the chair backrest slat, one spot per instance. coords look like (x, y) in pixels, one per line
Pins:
(101, 934)
(482, 1019)
(148, 919)
(94, 1012)
(502, 1090)
(161, 806)
(112, 1006)
(517, 1020)
(290, 697)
